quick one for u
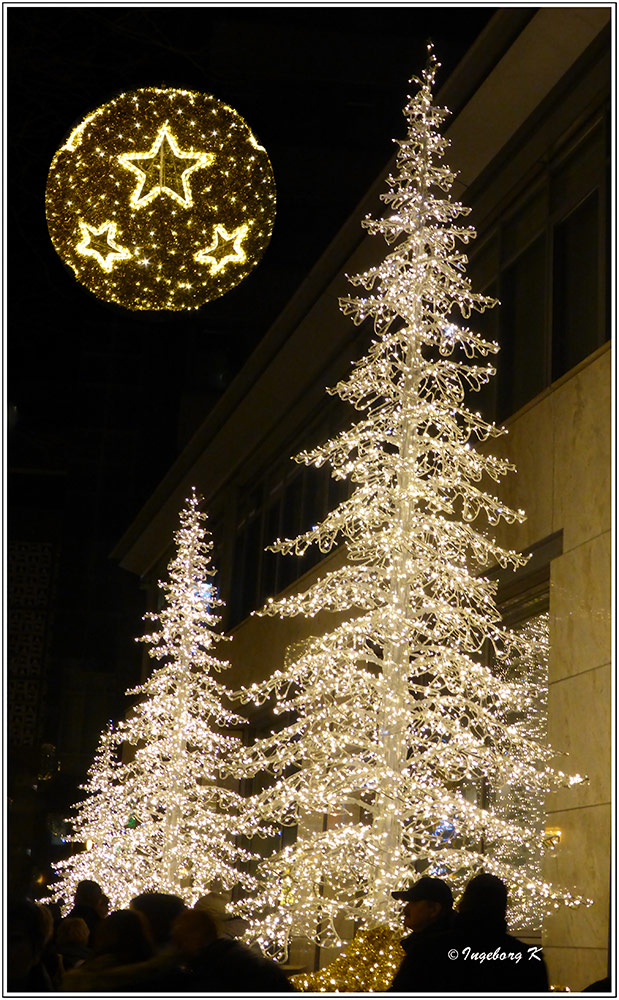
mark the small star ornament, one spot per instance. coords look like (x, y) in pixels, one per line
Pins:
(162, 199)
(226, 248)
(101, 244)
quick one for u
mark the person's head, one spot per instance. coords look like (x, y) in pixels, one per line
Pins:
(484, 900)
(25, 937)
(426, 901)
(87, 893)
(72, 931)
(125, 935)
(102, 906)
(48, 921)
(54, 907)
(214, 903)
(192, 931)
(160, 910)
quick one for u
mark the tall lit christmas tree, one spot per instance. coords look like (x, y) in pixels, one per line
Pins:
(403, 712)
(163, 821)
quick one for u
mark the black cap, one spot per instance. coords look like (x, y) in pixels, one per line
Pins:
(432, 889)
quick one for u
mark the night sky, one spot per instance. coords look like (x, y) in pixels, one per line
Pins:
(101, 400)
(322, 88)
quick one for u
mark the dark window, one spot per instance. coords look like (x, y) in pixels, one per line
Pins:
(547, 258)
(245, 562)
(280, 508)
(522, 368)
(270, 560)
(486, 325)
(575, 291)
(292, 525)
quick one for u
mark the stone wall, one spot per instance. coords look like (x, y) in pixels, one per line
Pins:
(561, 445)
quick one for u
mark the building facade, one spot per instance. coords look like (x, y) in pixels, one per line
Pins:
(531, 139)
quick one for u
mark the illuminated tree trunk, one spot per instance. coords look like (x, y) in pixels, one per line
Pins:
(388, 820)
(173, 816)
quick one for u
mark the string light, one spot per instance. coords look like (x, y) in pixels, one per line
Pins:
(161, 199)
(417, 699)
(162, 821)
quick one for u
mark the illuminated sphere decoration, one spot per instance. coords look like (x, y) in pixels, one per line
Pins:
(161, 199)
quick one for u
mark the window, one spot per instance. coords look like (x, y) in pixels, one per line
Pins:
(521, 365)
(515, 802)
(575, 293)
(283, 506)
(546, 258)
(523, 598)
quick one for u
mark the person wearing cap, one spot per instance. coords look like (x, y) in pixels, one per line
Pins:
(472, 953)
(428, 914)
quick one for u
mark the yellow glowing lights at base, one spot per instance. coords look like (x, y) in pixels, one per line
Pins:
(161, 199)
(368, 965)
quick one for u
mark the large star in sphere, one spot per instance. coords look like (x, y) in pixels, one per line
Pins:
(164, 169)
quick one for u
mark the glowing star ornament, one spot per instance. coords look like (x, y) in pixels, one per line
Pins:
(164, 169)
(100, 243)
(226, 247)
(162, 199)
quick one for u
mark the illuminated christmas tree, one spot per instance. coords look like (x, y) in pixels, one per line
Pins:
(101, 799)
(404, 711)
(162, 821)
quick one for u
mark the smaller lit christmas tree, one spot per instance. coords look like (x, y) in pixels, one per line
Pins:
(101, 790)
(163, 821)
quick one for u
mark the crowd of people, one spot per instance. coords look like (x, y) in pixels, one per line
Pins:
(159, 945)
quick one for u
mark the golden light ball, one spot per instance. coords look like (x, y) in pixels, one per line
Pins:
(162, 199)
